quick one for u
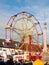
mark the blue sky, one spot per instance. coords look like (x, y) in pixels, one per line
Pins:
(39, 8)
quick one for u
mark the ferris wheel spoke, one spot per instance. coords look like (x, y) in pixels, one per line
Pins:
(20, 34)
(22, 24)
(16, 32)
(34, 26)
(26, 23)
(18, 29)
(38, 34)
(15, 21)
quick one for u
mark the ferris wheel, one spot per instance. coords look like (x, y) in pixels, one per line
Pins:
(21, 25)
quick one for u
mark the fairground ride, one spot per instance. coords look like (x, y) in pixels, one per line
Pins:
(26, 29)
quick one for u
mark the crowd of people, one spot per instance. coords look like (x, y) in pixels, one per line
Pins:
(20, 62)
(11, 62)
